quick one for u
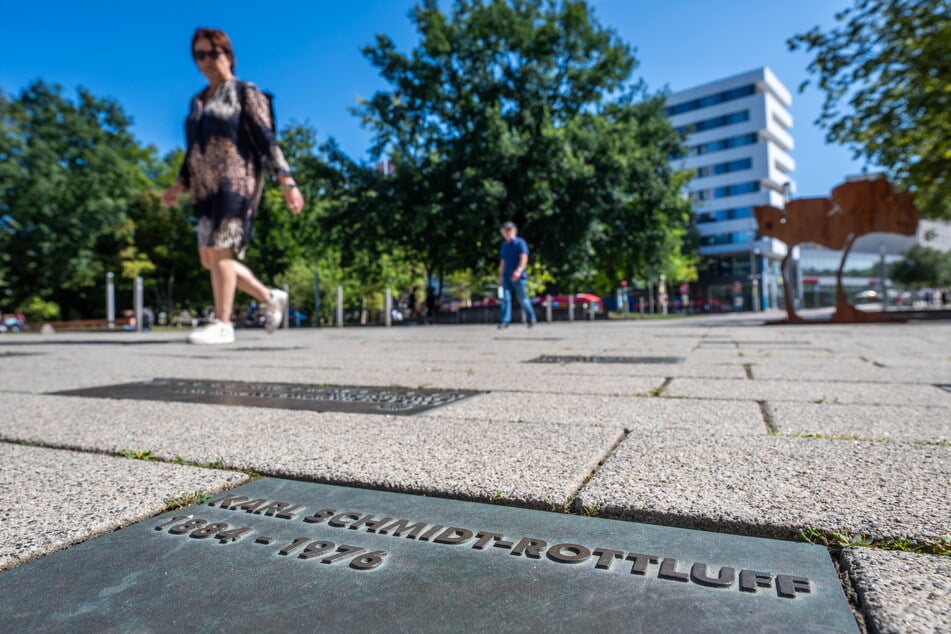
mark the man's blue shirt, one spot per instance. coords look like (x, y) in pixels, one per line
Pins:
(510, 253)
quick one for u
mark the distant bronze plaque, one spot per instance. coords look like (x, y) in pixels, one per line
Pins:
(554, 358)
(278, 555)
(755, 343)
(316, 398)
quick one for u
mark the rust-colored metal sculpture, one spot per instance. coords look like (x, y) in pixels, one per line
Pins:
(856, 208)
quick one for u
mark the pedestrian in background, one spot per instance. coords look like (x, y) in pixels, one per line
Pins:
(229, 137)
(513, 261)
(431, 305)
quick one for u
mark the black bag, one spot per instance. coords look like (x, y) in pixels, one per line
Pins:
(261, 155)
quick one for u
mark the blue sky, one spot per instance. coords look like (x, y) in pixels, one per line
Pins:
(307, 53)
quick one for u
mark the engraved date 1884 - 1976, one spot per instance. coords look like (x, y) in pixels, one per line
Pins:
(305, 547)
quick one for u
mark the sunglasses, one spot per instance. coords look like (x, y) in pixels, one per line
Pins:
(200, 55)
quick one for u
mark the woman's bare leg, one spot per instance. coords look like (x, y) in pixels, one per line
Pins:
(207, 256)
(227, 275)
(251, 285)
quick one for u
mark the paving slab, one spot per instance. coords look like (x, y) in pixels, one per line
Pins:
(51, 499)
(631, 413)
(901, 592)
(905, 423)
(849, 371)
(775, 485)
(811, 391)
(533, 464)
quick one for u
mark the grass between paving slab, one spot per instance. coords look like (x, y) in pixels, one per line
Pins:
(838, 541)
(852, 437)
(195, 497)
(148, 456)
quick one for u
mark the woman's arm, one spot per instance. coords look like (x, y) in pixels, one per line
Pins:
(258, 116)
(170, 195)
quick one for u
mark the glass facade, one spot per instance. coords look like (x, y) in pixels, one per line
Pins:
(736, 190)
(724, 168)
(711, 100)
(723, 144)
(715, 122)
(735, 237)
(725, 214)
(726, 191)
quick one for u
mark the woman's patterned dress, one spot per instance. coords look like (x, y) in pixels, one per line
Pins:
(223, 163)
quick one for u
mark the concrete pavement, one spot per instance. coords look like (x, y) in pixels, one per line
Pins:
(838, 434)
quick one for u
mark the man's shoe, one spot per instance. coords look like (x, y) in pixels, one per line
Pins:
(501, 326)
(212, 334)
(274, 311)
(531, 324)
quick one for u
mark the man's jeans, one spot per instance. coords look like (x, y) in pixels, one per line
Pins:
(521, 293)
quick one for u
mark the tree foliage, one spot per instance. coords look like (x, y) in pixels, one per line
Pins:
(522, 110)
(505, 109)
(163, 247)
(69, 172)
(923, 267)
(886, 73)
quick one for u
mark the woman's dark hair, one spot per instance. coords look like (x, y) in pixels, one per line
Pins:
(218, 39)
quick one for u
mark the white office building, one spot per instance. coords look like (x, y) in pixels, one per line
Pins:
(737, 134)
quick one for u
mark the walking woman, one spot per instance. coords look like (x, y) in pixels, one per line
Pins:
(229, 137)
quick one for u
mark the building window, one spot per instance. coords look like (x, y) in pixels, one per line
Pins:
(719, 239)
(736, 190)
(711, 100)
(716, 146)
(715, 122)
(724, 214)
(724, 168)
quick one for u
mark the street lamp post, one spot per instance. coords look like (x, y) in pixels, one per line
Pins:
(754, 255)
(883, 274)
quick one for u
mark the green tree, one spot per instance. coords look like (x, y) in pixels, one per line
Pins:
(922, 267)
(886, 71)
(522, 110)
(163, 243)
(282, 240)
(69, 171)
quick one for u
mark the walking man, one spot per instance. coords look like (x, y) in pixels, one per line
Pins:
(513, 261)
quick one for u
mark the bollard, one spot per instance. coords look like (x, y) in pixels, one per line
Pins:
(286, 322)
(340, 307)
(315, 322)
(571, 307)
(388, 308)
(111, 300)
(137, 300)
(548, 308)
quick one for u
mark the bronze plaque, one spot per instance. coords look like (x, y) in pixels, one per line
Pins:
(299, 396)
(555, 358)
(279, 555)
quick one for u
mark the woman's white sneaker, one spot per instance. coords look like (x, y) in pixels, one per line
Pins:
(274, 311)
(211, 334)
